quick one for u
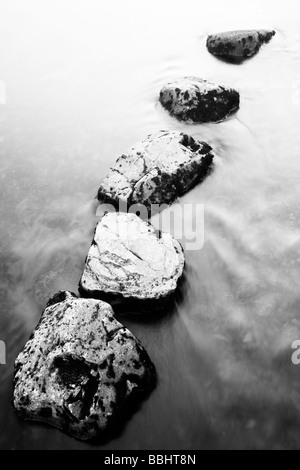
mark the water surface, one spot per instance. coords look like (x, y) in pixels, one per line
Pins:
(82, 82)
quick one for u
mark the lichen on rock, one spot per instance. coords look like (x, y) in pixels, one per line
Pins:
(80, 367)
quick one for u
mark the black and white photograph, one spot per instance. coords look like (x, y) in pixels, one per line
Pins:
(149, 227)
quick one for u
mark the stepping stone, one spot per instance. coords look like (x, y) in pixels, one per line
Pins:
(195, 101)
(131, 265)
(157, 170)
(236, 46)
(80, 368)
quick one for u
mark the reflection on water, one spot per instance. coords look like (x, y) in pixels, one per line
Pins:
(82, 82)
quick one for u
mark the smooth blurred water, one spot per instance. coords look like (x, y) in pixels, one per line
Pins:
(82, 82)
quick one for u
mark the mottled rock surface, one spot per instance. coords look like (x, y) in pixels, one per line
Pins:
(157, 170)
(79, 367)
(195, 100)
(236, 46)
(131, 265)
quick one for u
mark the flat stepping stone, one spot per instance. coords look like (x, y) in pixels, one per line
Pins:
(195, 101)
(157, 170)
(80, 367)
(131, 265)
(237, 46)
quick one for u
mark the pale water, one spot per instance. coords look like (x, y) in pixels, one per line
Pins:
(82, 82)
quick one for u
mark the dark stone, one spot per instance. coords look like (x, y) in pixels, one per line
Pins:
(236, 46)
(157, 170)
(70, 373)
(199, 101)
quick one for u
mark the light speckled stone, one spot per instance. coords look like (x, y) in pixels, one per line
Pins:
(236, 46)
(80, 367)
(157, 170)
(196, 101)
(131, 265)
